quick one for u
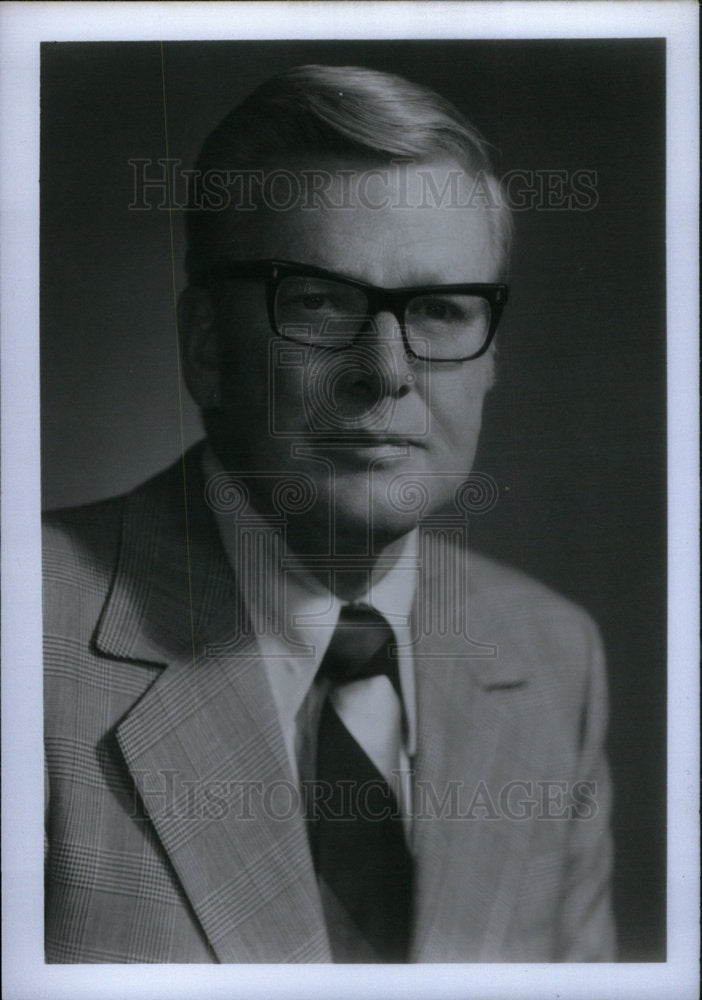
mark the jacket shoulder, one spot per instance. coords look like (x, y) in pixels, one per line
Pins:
(551, 633)
(512, 589)
(80, 547)
(90, 534)
(81, 535)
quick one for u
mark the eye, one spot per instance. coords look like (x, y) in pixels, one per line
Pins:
(313, 302)
(439, 309)
(300, 299)
(307, 296)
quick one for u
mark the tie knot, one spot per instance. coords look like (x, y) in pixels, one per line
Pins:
(360, 647)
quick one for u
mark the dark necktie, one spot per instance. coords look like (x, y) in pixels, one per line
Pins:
(357, 835)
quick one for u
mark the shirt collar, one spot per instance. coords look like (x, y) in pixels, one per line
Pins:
(294, 615)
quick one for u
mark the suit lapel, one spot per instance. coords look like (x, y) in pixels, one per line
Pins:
(203, 744)
(205, 750)
(469, 734)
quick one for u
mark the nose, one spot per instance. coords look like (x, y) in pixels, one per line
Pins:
(389, 372)
(364, 381)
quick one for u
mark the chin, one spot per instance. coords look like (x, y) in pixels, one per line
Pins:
(381, 523)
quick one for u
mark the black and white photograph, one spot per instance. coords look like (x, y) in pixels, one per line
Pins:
(356, 460)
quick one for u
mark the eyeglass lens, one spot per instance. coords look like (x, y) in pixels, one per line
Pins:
(328, 313)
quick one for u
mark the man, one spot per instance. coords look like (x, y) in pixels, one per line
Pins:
(289, 716)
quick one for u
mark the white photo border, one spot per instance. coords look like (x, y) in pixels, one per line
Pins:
(23, 28)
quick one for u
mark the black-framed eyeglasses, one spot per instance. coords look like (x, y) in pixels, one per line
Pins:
(321, 308)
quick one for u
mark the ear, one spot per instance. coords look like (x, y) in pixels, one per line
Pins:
(199, 356)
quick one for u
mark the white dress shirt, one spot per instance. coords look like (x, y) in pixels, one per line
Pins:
(294, 615)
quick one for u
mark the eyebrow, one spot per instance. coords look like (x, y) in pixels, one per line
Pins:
(414, 278)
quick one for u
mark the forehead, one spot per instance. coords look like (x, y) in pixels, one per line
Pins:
(391, 224)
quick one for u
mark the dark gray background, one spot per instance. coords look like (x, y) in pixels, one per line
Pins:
(575, 430)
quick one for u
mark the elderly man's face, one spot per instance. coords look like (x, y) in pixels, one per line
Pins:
(365, 423)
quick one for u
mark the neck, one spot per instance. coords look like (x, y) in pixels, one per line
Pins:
(352, 564)
(346, 559)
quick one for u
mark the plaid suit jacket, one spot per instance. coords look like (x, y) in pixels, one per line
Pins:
(173, 834)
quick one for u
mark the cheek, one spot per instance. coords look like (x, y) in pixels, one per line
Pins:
(455, 402)
(264, 386)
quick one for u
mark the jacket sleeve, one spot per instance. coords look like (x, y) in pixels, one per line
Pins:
(586, 926)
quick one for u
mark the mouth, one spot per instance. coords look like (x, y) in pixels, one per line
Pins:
(365, 447)
(361, 437)
(381, 440)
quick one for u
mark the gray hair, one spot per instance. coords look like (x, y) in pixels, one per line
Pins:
(342, 111)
